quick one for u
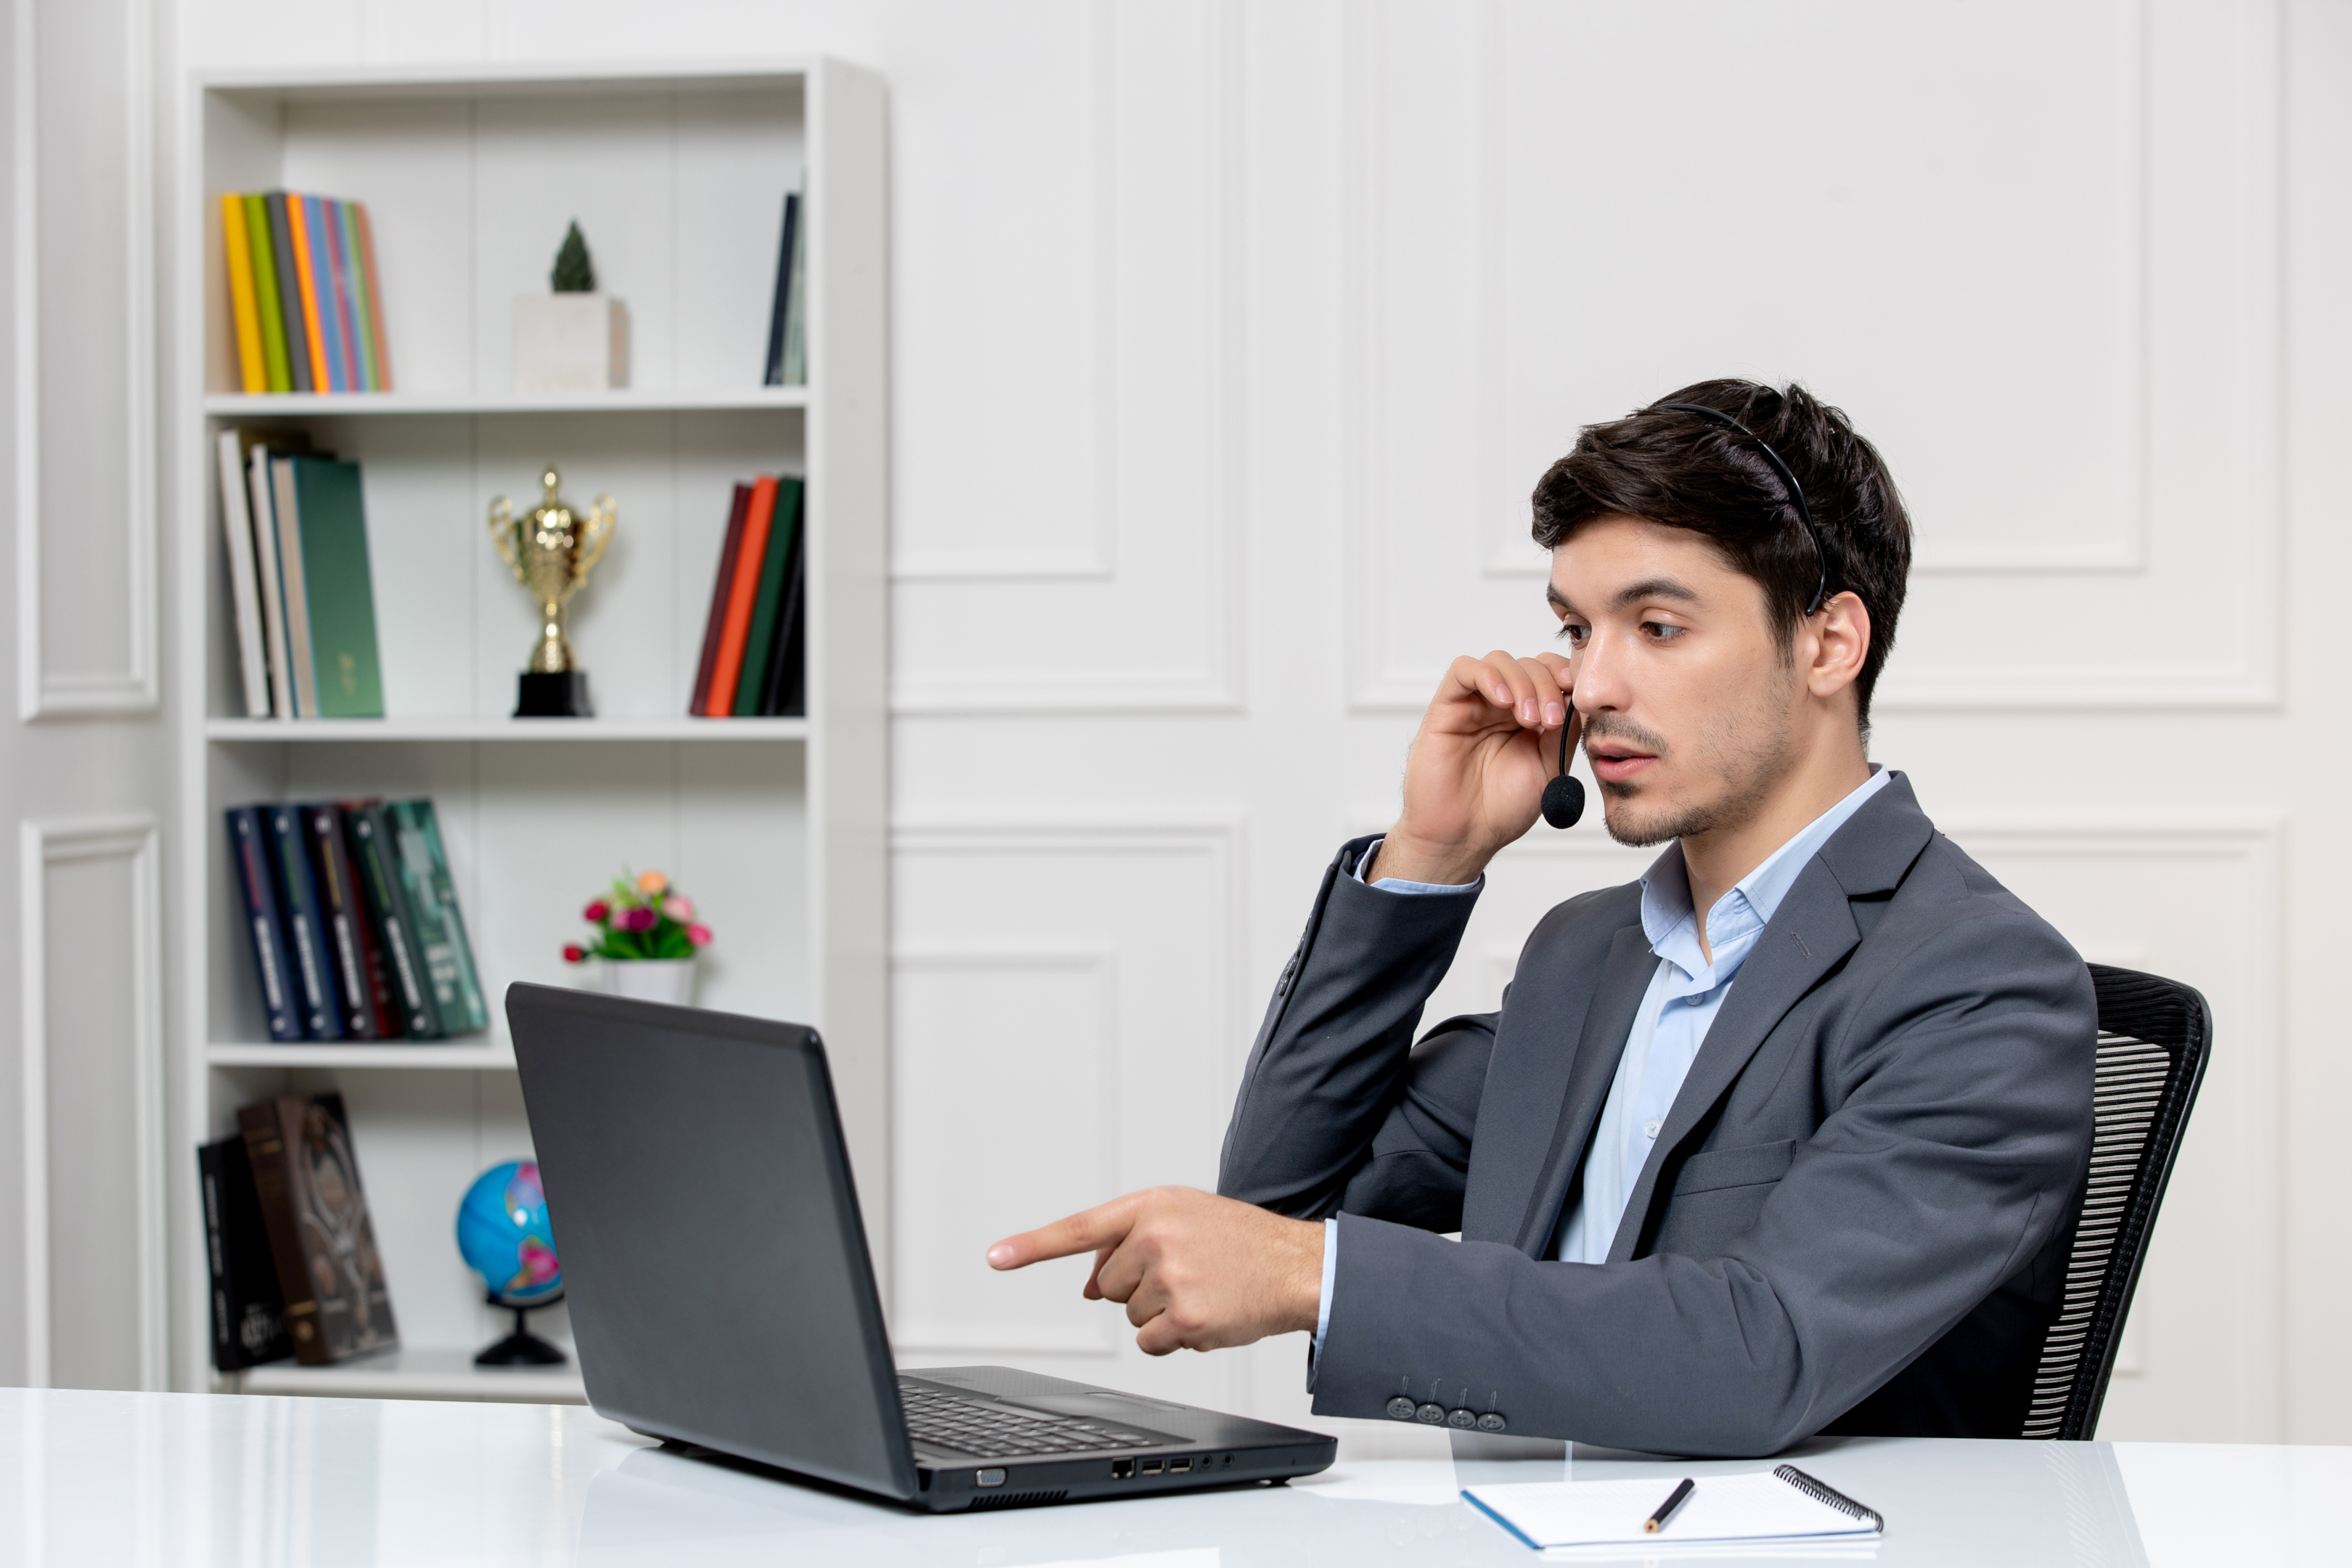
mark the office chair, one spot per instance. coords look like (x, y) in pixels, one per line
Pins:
(2153, 1035)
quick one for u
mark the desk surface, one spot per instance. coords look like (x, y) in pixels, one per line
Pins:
(91, 1478)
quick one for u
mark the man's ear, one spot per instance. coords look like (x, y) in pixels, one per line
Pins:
(1841, 639)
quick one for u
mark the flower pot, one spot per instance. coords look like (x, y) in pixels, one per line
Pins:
(667, 980)
(570, 342)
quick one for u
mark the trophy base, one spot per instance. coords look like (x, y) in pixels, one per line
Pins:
(562, 695)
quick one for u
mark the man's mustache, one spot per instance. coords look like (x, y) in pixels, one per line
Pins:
(1614, 727)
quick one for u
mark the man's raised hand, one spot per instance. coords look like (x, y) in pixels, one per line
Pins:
(1196, 1272)
(1475, 778)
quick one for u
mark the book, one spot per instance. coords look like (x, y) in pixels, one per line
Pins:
(315, 999)
(343, 913)
(298, 359)
(777, 311)
(749, 560)
(263, 495)
(321, 232)
(301, 674)
(368, 834)
(759, 642)
(776, 676)
(244, 573)
(375, 963)
(315, 310)
(248, 1310)
(338, 271)
(355, 274)
(716, 623)
(253, 370)
(796, 311)
(1782, 1505)
(306, 1175)
(266, 304)
(337, 592)
(432, 895)
(375, 282)
(252, 858)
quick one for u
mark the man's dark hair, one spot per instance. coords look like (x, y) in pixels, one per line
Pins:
(1686, 471)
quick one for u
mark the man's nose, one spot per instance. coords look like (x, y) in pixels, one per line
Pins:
(1599, 689)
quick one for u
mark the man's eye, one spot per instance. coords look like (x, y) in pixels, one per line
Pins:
(1572, 634)
(1660, 631)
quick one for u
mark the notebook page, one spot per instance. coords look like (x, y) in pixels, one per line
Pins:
(1758, 1507)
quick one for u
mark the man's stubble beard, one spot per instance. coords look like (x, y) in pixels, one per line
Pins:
(1749, 762)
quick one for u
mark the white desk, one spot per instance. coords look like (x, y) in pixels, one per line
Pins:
(98, 1479)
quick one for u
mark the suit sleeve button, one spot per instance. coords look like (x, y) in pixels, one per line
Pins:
(1491, 1421)
(1430, 1415)
(1401, 1408)
(1464, 1419)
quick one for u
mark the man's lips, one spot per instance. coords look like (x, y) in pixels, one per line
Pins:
(1617, 764)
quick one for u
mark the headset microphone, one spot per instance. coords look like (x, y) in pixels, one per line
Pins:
(1563, 797)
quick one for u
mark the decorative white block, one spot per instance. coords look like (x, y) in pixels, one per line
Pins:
(570, 342)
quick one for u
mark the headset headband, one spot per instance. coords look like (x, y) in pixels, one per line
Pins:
(1795, 491)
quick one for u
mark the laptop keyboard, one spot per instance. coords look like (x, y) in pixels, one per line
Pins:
(985, 1429)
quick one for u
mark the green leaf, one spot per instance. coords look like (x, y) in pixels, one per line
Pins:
(574, 273)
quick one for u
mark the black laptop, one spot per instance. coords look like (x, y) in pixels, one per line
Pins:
(721, 1295)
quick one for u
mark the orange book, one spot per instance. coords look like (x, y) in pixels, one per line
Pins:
(252, 370)
(308, 276)
(754, 549)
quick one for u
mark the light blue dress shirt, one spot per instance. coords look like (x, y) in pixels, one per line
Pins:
(1686, 993)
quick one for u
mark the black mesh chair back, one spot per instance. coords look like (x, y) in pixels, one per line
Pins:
(2153, 1035)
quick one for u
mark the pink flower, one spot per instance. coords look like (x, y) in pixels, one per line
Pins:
(636, 920)
(679, 906)
(594, 913)
(699, 934)
(574, 952)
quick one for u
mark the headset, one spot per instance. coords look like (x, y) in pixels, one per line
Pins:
(1563, 797)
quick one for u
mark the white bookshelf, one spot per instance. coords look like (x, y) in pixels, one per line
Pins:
(775, 825)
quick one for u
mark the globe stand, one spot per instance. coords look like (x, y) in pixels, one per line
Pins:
(521, 1348)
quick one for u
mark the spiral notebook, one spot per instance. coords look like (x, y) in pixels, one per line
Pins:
(1783, 1505)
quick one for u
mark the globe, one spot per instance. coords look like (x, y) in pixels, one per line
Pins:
(503, 1234)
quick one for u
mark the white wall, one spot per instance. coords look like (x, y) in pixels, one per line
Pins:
(1228, 337)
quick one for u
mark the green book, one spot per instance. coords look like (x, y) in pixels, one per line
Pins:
(432, 895)
(375, 859)
(760, 642)
(337, 588)
(265, 293)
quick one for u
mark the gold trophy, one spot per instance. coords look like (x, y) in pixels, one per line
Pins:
(551, 551)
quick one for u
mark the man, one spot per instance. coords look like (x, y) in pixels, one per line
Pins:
(1808, 1164)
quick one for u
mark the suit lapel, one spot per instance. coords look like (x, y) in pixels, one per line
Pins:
(1813, 930)
(1625, 977)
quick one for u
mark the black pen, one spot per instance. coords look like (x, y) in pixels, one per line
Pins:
(1651, 1525)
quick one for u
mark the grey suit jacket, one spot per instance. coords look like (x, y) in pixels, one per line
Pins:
(1855, 1218)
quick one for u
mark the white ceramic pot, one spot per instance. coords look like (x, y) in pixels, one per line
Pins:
(667, 980)
(570, 342)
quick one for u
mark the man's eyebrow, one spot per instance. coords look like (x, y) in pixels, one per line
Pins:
(1630, 595)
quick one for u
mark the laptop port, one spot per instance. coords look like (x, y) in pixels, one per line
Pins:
(1122, 1469)
(1151, 1466)
(1180, 1466)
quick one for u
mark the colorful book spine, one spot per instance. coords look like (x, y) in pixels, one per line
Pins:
(245, 315)
(775, 694)
(316, 310)
(715, 623)
(374, 297)
(249, 854)
(343, 914)
(268, 306)
(373, 854)
(760, 644)
(297, 902)
(322, 231)
(354, 275)
(741, 594)
(427, 865)
(248, 1310)
(301, 349)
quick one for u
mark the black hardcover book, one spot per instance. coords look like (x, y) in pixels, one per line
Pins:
(373, 849)
(776, 374)
(297, 902)
(307, 1177)
(343, 914)
(290, 293)
(249, 852)
(248, 1310)
(775, 679)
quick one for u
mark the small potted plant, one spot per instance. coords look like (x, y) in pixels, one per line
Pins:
(646, 939)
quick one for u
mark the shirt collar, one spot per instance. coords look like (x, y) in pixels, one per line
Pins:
(1752, 902)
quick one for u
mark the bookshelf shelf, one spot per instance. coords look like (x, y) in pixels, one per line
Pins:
(520, 731)
(236, 405)
(775, 826)
(426, 1373)
(422, 1056)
